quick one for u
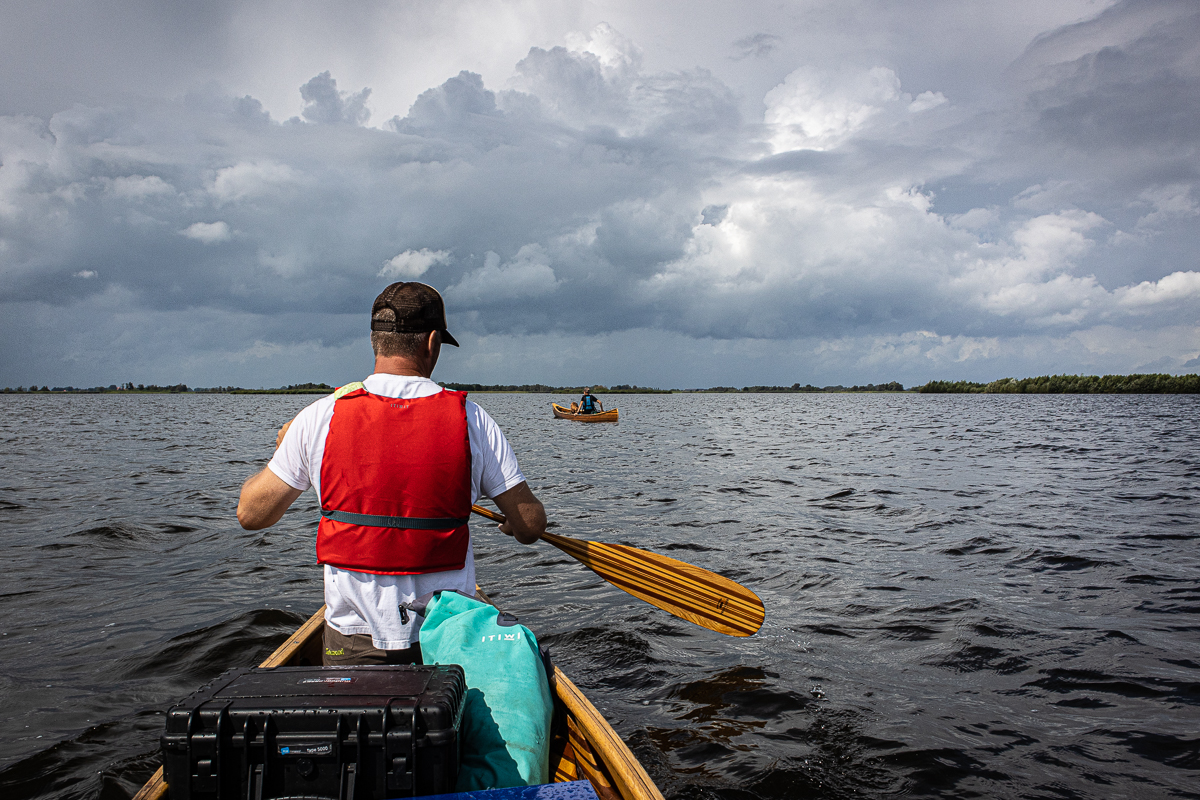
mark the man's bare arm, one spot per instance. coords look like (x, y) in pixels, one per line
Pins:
(264, 499)
(526, 516)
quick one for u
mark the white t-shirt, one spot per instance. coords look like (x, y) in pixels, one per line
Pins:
(362, 602)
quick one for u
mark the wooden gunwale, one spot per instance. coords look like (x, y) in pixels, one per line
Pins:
(591, 750)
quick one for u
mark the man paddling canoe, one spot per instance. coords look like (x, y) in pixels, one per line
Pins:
(589, 404)
(397, 462)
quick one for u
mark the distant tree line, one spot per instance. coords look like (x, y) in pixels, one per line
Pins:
(153, 388)
(127, 388)
(295, 388)
(1045, 384)
(810, 389)
(1072, 384)
(532, 388)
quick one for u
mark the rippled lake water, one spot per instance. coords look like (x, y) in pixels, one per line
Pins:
(967, 596)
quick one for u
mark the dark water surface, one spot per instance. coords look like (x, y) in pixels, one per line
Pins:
(1006, 605)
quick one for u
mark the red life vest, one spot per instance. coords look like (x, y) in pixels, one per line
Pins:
(396, 484)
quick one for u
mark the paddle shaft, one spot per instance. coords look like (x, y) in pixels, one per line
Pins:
(686, 591)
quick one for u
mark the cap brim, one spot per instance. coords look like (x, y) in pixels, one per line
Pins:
(448, 339)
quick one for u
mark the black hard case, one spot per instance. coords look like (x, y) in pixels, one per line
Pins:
(352, 733)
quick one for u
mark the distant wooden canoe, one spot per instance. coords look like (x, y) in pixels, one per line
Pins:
(566, 413)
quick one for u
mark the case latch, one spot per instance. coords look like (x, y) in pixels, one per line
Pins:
(399, 736)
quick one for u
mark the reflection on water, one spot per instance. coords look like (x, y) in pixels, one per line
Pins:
(967, 596)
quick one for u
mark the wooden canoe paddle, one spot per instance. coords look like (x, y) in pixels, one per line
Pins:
(688, 592)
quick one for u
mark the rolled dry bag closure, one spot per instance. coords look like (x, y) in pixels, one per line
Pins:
(409, 523)
(507, 711)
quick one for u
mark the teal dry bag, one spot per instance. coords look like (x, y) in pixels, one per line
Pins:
(505, 735)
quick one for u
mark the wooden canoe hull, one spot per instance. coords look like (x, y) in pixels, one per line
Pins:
(566, 413)
(590, 750)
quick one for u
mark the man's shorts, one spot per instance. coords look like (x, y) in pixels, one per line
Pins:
(340, 650)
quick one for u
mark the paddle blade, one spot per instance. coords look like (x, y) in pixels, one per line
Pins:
(689, 592)
(697, 595)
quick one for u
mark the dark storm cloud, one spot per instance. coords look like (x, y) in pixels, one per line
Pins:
(57, 52)
(1135, 88)
(1109, 120)
(593, 198)
(207, 203)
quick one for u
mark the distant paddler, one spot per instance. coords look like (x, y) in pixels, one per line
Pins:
(397, 462)
(588, 404)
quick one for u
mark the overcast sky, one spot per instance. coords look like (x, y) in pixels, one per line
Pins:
(672, 194)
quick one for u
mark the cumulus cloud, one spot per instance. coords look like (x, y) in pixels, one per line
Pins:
(208, 232)
(925, 101)
(820, 109)
(609, 46)
(251, 179)
(136, 187)
(412, 264)
(527, 276)
(1176, 287)
(597, 80)
(457, 101)
(1170, 203)
(817, 110)
(325, 105)
(856, 221)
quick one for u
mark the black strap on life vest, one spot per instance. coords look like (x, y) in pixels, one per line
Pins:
(411, 523)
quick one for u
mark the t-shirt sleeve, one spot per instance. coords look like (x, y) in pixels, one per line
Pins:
(291, 462)
(491, 450)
